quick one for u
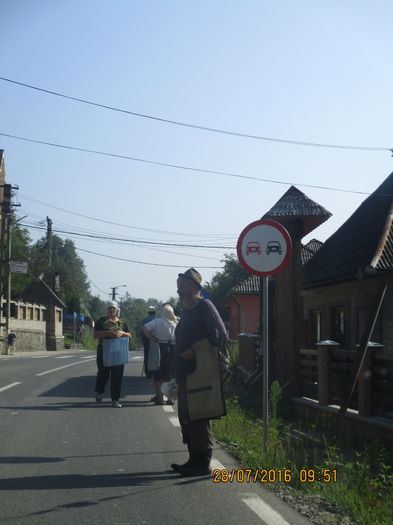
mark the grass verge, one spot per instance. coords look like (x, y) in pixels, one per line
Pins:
(362, 486)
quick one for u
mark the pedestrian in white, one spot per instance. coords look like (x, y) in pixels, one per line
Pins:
(162, 330)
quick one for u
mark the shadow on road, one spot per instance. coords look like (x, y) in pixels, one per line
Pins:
(26, 459)
(84, 481)
(83, 386)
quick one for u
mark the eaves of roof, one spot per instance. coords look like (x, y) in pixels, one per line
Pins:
(364, 243)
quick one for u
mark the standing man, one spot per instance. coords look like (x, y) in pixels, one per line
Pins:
(151, 314)
(199, 320)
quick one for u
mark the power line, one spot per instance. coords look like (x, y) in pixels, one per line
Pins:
(99, 289)
(195, 126)
(177, 166)
(143, 262)
(120, 224)
(122, 239)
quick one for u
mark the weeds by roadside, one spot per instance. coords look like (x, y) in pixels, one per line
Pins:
(361, 485)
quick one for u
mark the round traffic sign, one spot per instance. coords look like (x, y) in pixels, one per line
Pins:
(264, 247)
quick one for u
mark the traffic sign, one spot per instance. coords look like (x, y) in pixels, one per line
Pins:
(264, 247)
(18, 267)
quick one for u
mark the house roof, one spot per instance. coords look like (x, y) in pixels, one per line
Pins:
(363, 243)
(39, 292)
(250, 286)
(295, 204)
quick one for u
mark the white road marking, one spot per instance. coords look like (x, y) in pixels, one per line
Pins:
(10, 386)
(216, 465)
(86, 357)
(66, 366)
(137, 358)
(62, 356)
(174, 421)
(263, 510)
(168, 408)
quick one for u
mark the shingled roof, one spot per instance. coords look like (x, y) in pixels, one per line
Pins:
(295, 204)
(250, 286)
(363, 243)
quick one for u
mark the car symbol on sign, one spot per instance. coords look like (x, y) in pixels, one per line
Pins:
(253, 247)
(273, 247)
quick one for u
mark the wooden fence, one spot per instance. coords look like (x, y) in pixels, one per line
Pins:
(325, 373)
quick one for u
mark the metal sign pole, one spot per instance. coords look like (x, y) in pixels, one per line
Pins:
(265, 359)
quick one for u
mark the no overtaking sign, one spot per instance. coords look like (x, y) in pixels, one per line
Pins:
(264, 247)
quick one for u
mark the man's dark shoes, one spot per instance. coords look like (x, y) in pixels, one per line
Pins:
(177, 467)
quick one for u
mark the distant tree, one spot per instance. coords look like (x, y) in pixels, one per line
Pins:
(221, 283)
(94, 307)
(20, 251)
(74, 286)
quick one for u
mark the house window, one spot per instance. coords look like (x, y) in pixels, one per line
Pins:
(316, 326)
(14, 311)
(37, 314)
(58, 316)
(340, 325)
(23, 312)
(30, 313)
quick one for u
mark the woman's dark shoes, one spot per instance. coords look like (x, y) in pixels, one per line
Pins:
(159, 403)
(169, 402)
(195, 470)
(153, 399)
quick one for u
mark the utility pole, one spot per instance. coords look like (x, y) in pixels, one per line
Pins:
(51, 315)
(6, 224)
(49, 240)
(114, 288)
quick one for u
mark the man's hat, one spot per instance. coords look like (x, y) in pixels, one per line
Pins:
(193, 275)
(151, 309)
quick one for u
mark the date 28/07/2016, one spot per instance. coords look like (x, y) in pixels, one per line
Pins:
(274, 476)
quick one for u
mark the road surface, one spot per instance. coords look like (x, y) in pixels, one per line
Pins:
(67, 460)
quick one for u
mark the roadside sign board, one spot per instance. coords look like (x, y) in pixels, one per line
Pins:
(264, 247)
(18, 267)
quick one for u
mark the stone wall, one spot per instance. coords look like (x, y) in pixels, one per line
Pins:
(28, 341)
(28, 322)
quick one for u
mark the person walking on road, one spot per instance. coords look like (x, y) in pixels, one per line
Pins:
(151, 313)
(109, 326)
(162, 330)
(199, 322)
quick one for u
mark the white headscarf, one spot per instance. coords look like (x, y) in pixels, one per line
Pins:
(168, 314)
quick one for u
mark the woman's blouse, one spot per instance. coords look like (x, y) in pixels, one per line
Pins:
(104, 324)
(162, 329)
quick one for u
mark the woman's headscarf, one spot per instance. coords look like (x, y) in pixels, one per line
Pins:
(168, 314)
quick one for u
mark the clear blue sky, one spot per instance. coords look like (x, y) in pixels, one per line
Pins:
(299, 70)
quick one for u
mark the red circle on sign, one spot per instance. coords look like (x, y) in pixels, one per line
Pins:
(282, 231)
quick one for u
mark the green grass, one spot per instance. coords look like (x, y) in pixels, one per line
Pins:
(364, 487)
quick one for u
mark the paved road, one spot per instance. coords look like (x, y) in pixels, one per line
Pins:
(67, 460)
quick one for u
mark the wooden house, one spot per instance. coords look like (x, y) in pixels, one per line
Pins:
(343, 284)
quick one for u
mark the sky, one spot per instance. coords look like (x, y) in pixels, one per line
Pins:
(304, 70)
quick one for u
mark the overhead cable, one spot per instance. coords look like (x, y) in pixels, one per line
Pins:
(99, 289)
(123, 239)
(144, 262)
(195, 126)
(120, 224)
(177, 166)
